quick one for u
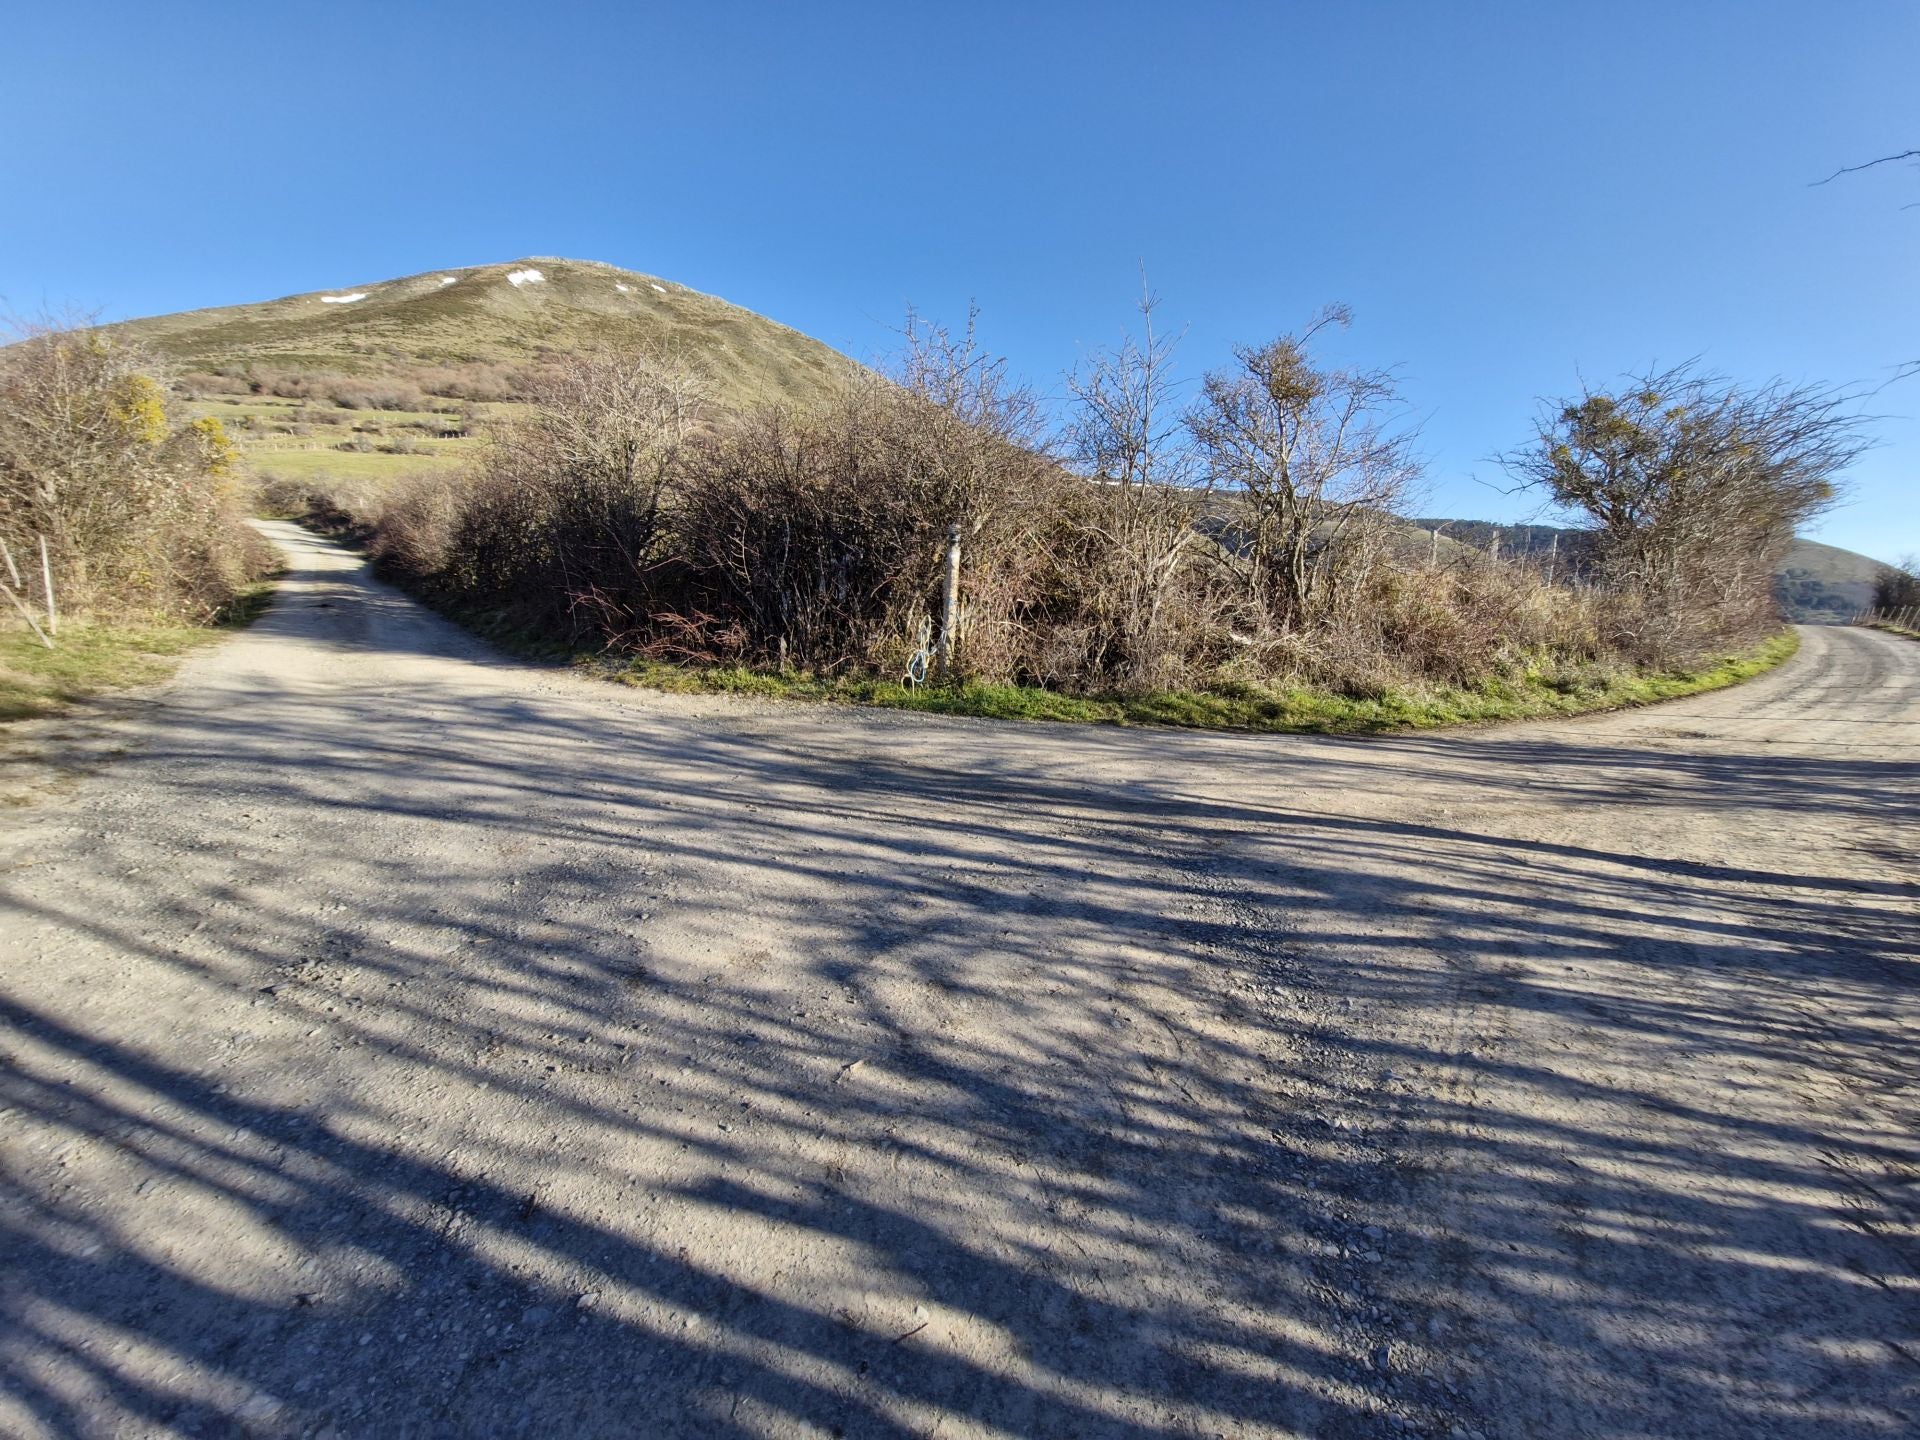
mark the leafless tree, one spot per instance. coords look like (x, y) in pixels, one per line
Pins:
(1127, 434)
(1319, 460)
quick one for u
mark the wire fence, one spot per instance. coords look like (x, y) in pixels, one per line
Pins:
(1904, 618)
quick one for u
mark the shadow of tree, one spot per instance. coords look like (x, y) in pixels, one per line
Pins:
(504, 1065)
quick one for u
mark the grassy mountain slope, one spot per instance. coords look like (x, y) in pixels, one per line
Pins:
(1815, 583)
(502, 314)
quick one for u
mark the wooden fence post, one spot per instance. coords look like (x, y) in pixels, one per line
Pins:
(949, 607)
(46, 581)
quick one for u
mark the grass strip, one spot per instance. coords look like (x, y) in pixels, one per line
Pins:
(93, 658)
(1260, 709)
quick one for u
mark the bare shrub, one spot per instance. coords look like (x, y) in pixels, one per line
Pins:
(569, 500)
(1694, 488)
(416, 520)
(360, 395)
(139, 506)
(1133, 542)
(1318, 466)
(1251, 537)
(280, 496)
(197, 384)
(823, 538)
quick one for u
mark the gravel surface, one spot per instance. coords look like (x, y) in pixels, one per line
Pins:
(395, 1040)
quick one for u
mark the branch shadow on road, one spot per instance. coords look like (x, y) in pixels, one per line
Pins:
(734, 1083)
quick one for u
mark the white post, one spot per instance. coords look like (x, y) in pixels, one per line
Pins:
(46, 580)
(27, 615)
(949, 606)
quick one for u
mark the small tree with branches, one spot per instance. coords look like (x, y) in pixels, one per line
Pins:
(1319, 462)
(1694, 487)
(1136, 534)
(1897, 587)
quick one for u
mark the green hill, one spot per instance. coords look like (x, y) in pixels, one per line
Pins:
(497, 314)
(370, 381)
(1815, 583)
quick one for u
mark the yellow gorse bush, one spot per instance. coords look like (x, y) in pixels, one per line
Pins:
(138, 509)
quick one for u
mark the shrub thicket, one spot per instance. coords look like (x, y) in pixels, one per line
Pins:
(138, 506)
(1897, 587)
(1248, 537)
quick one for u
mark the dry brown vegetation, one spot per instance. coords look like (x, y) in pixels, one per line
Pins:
(137, 505)
(398, 387)
(1249, 536)
(1693, 487)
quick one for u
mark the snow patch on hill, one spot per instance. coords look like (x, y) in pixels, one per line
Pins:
(517, 278)
(343, 299)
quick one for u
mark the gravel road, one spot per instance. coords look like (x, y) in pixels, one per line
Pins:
(401, 1041)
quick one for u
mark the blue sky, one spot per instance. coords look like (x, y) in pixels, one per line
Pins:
(1510, 196)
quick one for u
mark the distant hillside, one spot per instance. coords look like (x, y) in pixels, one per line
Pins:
(494, 314)
(1815, 583)
(1823, 582)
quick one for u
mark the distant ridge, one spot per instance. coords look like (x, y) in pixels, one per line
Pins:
(512, 312)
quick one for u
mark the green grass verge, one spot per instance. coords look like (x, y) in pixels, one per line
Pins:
(1294, 710)
(1891, 629)
(357, 465)
(91, 659)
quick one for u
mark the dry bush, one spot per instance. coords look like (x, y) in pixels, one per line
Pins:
(1133, 543)
(1250, 538)
(823, 539)
(562, 517)
(1473, 620)
(414, 523)
(342, 505)
(198, 384)
(812, 536)
(478, 382)
(611, 510)
(1694, 487)
(382, 395)
(281, 496)
(1319, 466)
(139, 506)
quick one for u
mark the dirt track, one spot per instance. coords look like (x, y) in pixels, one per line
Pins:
(402, 1042)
